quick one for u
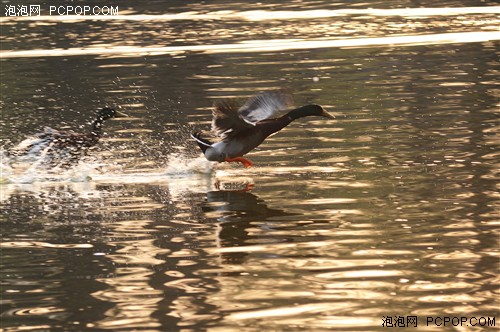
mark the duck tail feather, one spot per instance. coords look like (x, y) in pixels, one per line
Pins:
(203, 143)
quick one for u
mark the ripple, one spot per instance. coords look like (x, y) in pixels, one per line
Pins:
(38, 311)
(285, 311)
(361, 274)
(36, 244)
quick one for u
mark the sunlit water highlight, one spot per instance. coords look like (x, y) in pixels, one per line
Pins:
(266, 45)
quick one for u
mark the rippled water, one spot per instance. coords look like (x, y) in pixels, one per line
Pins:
(392, 209)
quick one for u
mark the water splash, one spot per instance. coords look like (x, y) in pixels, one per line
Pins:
(181, 173)
(32, 169)
(179, 164)
(5, 169)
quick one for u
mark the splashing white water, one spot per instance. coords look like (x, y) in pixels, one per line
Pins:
(30, 170)
(178, 164)
(180, 174)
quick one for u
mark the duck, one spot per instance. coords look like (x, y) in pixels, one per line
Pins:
(63, 148)
(243, 128)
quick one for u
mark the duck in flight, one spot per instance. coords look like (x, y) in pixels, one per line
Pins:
(63, 148)
(242, 129)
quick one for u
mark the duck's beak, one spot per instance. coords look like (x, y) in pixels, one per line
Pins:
(327, 115)
(119, 114)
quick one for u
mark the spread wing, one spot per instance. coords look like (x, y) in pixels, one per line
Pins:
(264, 105)
(226, 120)
(229, 118)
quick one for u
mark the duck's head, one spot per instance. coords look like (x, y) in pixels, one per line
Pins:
(310, 110)
(108, 113)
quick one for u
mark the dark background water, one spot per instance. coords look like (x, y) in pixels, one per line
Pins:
(389, 210)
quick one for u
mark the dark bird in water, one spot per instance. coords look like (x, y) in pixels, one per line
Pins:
(242, 129)
(63, 148)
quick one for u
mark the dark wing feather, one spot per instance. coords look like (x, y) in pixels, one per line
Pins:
(75, 142)
(229, 118)
(226, 120)
(264, 105)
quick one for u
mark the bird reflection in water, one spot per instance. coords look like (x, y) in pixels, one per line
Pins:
(239, 185)
(236, 212)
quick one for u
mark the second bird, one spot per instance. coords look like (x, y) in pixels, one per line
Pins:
(242, 129)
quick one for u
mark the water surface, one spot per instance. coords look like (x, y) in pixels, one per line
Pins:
(389, 210)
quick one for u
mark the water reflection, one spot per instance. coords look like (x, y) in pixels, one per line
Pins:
(260, 248)
(237, 213)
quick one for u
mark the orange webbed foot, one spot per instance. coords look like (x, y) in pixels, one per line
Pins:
(247, 163)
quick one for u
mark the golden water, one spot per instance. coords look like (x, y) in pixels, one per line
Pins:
(389, 210)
